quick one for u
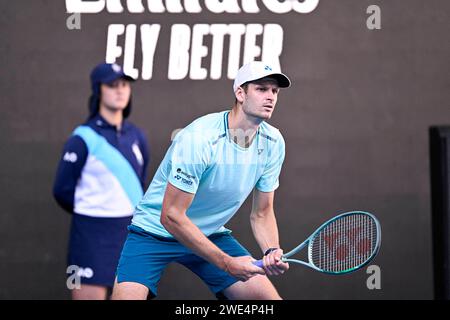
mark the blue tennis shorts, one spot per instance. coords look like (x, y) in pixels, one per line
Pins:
(145, 256)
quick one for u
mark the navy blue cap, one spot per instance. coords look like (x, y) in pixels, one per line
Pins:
(105, 73)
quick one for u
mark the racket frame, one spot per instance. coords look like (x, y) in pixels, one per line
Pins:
(307, 242)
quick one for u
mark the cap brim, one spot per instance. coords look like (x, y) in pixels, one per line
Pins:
(283, 80)
(118, 76)
(128, 78)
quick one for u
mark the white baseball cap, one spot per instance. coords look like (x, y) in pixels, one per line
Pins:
(256, 70)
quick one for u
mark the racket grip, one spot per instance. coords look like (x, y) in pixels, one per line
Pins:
(258, 263)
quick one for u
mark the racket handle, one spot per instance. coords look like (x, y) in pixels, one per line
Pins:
(258, 263)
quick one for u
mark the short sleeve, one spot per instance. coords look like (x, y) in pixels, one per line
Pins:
(269, 181)
(190, 155)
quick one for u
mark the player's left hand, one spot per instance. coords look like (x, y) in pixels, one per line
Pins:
(273, 265)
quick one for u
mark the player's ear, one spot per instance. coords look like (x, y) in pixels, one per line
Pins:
(239, 93)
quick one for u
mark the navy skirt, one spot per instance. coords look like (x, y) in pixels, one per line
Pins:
(95, 246)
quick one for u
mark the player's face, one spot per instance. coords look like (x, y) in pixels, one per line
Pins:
(261, 98)
(116, 94)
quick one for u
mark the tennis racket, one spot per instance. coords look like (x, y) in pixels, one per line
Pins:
(341, 245)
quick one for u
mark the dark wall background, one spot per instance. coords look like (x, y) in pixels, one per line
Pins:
(355, 123)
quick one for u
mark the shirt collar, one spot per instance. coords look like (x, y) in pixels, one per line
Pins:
(99, 121)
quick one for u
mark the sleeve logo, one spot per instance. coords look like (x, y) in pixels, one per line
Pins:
(70, 157)
(187, 177)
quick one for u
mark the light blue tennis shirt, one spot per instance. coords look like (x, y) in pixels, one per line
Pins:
(203, 160)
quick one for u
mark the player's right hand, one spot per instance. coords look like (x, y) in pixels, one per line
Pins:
(242, 267)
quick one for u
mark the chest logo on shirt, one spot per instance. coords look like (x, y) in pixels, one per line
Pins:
(137, 153)
(260, 151)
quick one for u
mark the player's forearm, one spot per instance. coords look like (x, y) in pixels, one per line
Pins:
(187, 233)
(265, 229)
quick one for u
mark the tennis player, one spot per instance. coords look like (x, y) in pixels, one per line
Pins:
(207, 173)
(100, 179)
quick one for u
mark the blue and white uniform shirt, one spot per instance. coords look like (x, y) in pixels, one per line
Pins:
(103, 170)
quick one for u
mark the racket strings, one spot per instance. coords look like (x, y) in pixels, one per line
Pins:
(344, 244)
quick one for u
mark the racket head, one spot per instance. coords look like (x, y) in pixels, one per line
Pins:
(345, 243)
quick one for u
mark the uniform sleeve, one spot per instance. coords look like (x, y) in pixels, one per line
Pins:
(269, 181)
(72, 161)
(190, 156)
(145, 151)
